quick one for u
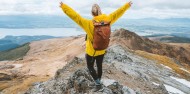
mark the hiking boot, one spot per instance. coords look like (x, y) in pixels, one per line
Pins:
(97, 88)
(101, 89)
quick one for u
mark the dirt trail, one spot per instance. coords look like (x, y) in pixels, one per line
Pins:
(42, 61)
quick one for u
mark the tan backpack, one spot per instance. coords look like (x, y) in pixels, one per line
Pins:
(102, 31)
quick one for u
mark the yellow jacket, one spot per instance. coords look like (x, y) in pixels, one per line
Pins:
(88, 26)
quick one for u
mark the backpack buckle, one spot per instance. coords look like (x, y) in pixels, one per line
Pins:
(102, 23)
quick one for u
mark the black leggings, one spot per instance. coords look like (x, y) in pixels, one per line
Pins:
(90, 64)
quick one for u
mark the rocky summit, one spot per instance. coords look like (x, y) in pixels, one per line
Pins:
(132, 65)
(124, 72)
(78, 84)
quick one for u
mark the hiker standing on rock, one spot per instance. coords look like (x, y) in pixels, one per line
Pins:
(98, 32)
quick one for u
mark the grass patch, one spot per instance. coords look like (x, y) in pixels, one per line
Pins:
(176, 39)
(19, 86)
(165, 61)
(16, 53)
(4, 85)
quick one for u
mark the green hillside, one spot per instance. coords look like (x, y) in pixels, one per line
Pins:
(16, 53)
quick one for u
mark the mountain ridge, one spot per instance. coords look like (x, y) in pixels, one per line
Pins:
(10, 42)
(146, 73)
(74, 77)
(135, 42)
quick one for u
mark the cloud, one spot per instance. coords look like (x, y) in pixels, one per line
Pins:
(140, 8)
(28, 7)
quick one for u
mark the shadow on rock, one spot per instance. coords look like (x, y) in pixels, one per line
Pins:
(78, 84)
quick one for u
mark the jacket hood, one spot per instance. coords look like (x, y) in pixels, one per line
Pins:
(102, 17)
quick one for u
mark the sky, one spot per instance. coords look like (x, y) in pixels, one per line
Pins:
(139, 9)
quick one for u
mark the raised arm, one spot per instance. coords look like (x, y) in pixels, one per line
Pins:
(74, 15)
(119, 12)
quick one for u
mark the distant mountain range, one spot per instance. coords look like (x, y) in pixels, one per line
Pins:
(49, 21)
(169, 38)
(35, 21)
(7, 44)
(168, 19)
(147, 26)
(10, 42)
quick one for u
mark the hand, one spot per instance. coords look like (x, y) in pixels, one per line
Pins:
(61, 4)
(130, 3)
